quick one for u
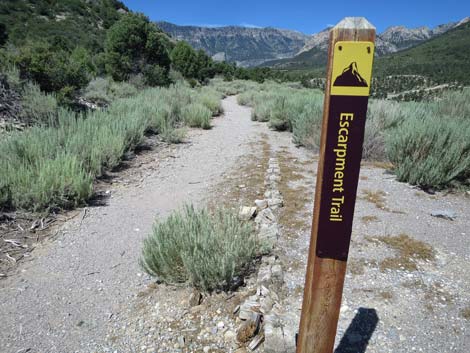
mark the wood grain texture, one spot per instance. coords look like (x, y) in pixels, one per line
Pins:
(325, 277)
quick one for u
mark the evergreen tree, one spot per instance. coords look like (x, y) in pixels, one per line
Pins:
(134, 45)
(184, 59)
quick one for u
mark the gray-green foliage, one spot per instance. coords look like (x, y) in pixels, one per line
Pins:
(196, 247)
(48, 167)
(104, 90)
(428, 143)
(233, 87)
(197, 115)
(37, 107)
(430, 150)
(287, 108)
(381, 116)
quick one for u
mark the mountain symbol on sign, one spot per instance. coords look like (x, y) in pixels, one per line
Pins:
(350, 77)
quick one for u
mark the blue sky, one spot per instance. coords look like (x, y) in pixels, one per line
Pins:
(308, 16)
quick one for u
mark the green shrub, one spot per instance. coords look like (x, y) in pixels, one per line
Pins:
(38, 107)
(197, 115)
(50, 184)
(195, 247)
(172, 135)
(156, 75)
(54, 69)
(97, 91)
(381, 116)
(87, 145)
(104, 90)
(211, 100)
(13, 77)
(262, 111)
(134, 45)
(122, 90)
(430, 151)
(306, 126)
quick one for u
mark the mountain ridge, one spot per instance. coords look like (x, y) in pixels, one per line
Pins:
(247, 46)
(270, 46)
(394, 39)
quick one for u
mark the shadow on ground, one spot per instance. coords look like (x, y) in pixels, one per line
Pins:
(357, 336)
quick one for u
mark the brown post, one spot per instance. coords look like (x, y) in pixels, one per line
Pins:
(350, 55)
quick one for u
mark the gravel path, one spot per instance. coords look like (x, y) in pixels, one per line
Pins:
(84, 292)
(62, 299)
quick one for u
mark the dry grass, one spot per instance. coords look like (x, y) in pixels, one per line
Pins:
(246, 332)
(385, 295)
(357, 266)
(369, 219)
(363, 177)
(250, 174)
(436, 294)
(375, 197)
(378, 164)
(465, 313)
(414, 284)
(293, 216)
(408, 252)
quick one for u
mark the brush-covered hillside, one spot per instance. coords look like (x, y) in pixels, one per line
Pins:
(67, 22)
(444, 58)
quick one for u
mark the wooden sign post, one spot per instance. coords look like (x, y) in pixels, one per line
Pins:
(350, 57)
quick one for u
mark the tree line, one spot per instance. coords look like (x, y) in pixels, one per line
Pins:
(133, 47)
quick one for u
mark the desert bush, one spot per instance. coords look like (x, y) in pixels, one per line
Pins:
(306, 127)
(104, 90)
(37, 107)
(202, 249)
(85, 146)
(97, 91)
(430, 151)
(211, 99)
(13, 77)
(48, 184)
(172, 135)
(122, 90)
(279, 114)
(262, 111)
(231, 88)
(197, 115)
(381, 116)
(454, 103)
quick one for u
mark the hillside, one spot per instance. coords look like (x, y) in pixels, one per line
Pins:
(394, 39)
(444, 58)
(243, 45)
(70, 22)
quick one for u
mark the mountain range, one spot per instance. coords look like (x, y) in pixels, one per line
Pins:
(286, 48)
(244, 45)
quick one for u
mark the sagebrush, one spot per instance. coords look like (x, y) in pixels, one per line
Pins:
(50, 167)
(194, 246)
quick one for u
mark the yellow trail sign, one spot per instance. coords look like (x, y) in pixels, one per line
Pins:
(352, 68)
(350, 57)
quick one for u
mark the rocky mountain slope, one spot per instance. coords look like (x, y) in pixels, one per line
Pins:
(243, 45)
(392, 40)
(443, 58)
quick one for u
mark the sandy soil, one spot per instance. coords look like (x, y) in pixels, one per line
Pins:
(62, 299)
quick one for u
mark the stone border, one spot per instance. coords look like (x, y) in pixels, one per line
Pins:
(261, 314)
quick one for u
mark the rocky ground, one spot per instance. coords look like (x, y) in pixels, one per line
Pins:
(408, 274)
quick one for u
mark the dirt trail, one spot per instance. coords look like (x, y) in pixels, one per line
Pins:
(61, 300)
(84, 292)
